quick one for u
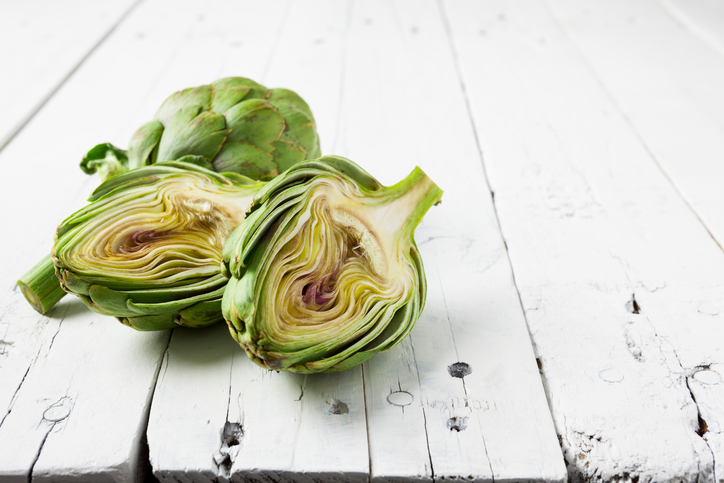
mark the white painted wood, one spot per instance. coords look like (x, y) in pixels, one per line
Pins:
(190, 404)
(87, 388)
(41, 45)
(704, 18)
(282, 432)
(588, 216)
(108, 376)
(296, 427)
(402, 107)
(590, 222)
(303, 428)
(668, 83)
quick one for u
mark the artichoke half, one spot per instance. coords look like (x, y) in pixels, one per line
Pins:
(325, 271)
(148, 247)
(232, 125)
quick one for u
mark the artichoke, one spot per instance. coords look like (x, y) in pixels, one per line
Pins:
(148, 247)
(232, 125)
(325, 271)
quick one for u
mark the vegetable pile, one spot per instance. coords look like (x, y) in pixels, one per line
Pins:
(222, 209)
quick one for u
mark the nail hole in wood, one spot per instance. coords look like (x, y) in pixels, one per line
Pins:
(633, 306)
(232, 433)
(703, 427)
(338, 407)
(459, 369)
(459, 423)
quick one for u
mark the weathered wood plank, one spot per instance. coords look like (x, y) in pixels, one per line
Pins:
(404, 106)
(304, 428)
(704, 18)
(296, 45)
(668, 83)
(610, 262)
(41, 45)
(102, 371)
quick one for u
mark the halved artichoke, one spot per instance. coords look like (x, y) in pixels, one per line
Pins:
(325, 272)
(232, 125)
(148, 247)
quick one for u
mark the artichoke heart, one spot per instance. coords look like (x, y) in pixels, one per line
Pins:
(148, 247)
(325, 272)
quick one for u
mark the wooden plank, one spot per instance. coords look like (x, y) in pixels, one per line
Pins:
(403, 106)
(74, 358)
(190, 405)
(668, 83)
(704, 18)
(39, 53)
(611, 264)
(247, 433)
(683, 128)
(304, 428)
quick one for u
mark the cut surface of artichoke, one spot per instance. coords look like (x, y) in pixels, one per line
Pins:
(148, 248)
(325, 272)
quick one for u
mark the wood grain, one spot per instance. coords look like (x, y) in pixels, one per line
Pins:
(43, 43)
(609, 260)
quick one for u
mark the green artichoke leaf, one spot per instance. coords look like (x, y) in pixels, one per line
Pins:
(325, 272)
(200, 95)
(142, 144)
(292, 98)
(192, 132)
(106, 159)
(227, 97)
(197, 160)
(176, 306)
(257, 91)
(201, 314)
(148, 248)
(72, 283)
(287, 154)
(150, 322)
(300, 128)
(254, 122)
(247, 159)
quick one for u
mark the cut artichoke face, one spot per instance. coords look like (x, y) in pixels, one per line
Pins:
(232, 125)
(148, 248)
(325, 271)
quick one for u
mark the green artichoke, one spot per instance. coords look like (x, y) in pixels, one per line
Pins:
(325, 271)
(148, 247)
(232, 125)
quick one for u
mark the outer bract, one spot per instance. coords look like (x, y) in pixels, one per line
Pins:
(147, 249)
(325, 271)
(232, 125)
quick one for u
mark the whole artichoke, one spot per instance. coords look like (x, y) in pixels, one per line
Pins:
(325, 271)
(147, 249)
(232, 125)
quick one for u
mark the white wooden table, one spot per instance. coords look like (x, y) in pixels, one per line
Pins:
(574, 326)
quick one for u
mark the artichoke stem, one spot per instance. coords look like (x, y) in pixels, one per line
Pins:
(409, 200)
(41, 286)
